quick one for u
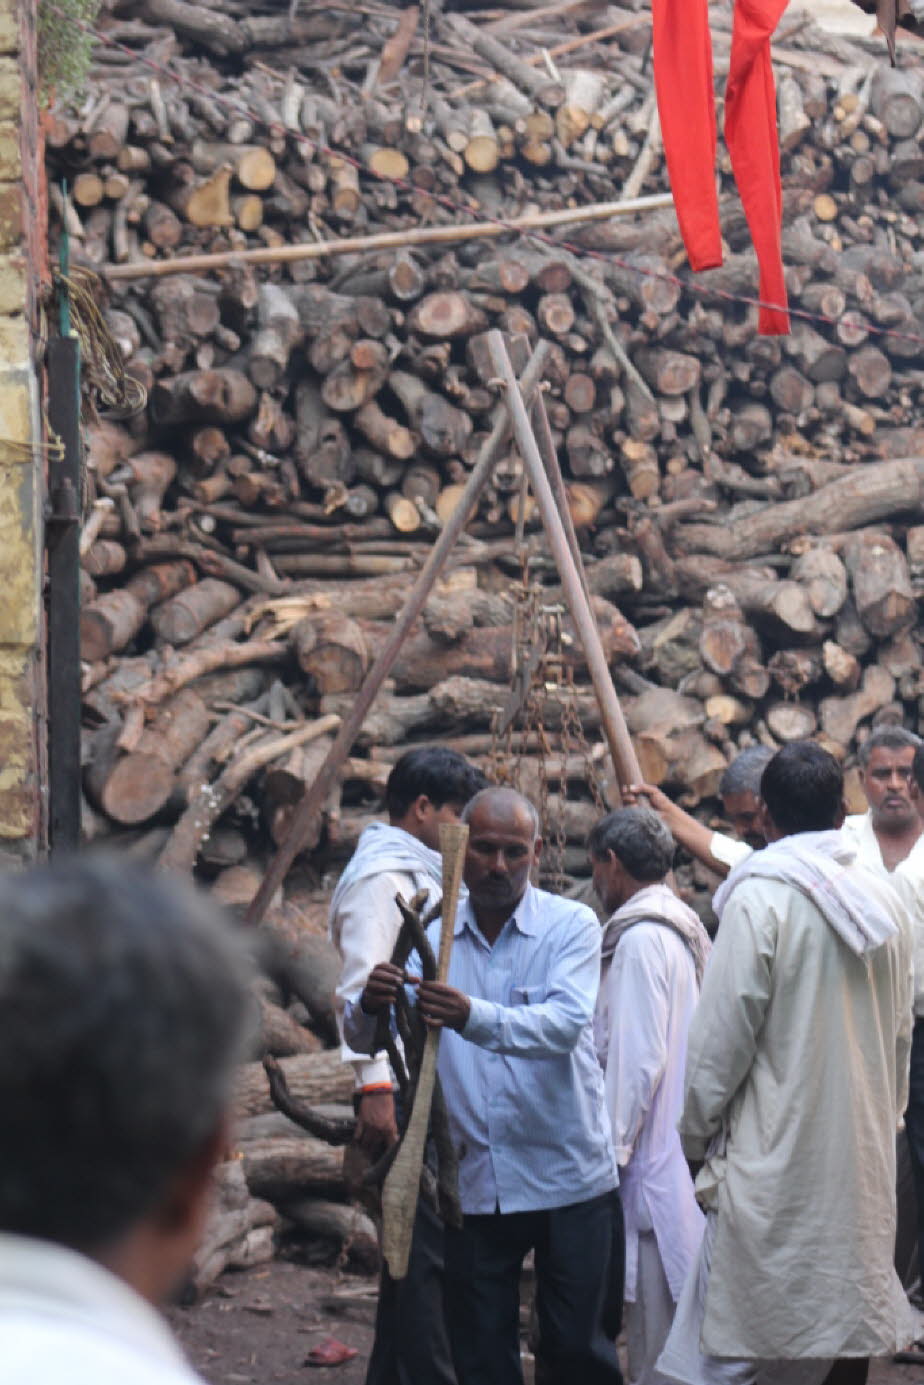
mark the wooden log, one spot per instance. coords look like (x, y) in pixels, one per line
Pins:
(881, 582)
(331, 649)
(729, 647)
(867, 495)
(132, 788)
(385, 434)
(233, 1224)
(278, 1169)
(313, 1078)
(221, 395)
(446, 315)
(547, 91)
(791, 721)
(280, 330)
(116, 617)
(252, 165)
(783, 606)
(824, 577)
(896, 97)
(840, 716)
(193, 610)
(842, 668)
(206, 203)
(443, 428)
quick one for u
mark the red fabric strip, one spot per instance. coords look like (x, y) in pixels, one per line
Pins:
(753, 143)
(686, 105)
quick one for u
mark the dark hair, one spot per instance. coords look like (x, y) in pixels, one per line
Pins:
(887, 738)
(803, 788)
(443, 775)
(125, 1007)
(638, 839)
(743, 775)
(917, 766)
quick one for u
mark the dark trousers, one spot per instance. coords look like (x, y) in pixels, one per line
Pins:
(580, 1262)
(848, 1372)
(914, 1129)
(411, 1342)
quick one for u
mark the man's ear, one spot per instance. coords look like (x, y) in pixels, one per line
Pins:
(537, 848)
(420, 806)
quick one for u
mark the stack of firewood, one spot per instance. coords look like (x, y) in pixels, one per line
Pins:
(315, 422)
(749, 508)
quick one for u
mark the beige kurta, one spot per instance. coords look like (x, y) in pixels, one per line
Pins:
(800, 1049)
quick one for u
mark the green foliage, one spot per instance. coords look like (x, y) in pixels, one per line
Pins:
(64, 48)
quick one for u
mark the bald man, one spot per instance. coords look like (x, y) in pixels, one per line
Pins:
(525, 1098)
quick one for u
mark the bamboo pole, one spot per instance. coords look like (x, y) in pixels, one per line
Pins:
(387, 240)
(614, 723)
(382, 666)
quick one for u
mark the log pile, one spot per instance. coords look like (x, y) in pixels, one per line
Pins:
(748, 508)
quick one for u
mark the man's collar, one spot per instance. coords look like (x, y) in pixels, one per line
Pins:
(524, 915)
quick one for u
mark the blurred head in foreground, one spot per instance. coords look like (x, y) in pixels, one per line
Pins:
(124, 1004)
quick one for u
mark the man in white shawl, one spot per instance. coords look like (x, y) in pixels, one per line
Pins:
(426, 787)
(654, 952)
(796, 1080)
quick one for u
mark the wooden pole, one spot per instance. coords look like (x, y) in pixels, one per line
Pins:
(402, 1186)
(557, 482)
(320, 788)
(614, 723)
(387, 240)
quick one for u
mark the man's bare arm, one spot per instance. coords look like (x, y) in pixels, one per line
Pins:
(684, 828)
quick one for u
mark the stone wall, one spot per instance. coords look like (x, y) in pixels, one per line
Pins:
(23, 269)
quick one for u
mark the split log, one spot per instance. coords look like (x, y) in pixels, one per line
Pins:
(332, 651)
(867, 495)
(133, 787)
(204, 396)
(112, 621)
(312, 1078)
(279, 1169)
(238, 1232)
(840, 716)
(190, 612)
(881, 583)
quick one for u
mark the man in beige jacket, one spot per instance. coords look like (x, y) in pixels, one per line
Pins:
(796, 1079)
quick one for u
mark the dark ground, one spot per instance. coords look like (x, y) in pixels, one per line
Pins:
(258, 1326)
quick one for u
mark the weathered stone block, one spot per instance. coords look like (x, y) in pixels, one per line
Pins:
(11, 227)
(10, 36)
(11, 93)
(10, 153)
(16, 410)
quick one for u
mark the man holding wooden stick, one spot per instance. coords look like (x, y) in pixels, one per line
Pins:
(427, 786)
(524, 1094)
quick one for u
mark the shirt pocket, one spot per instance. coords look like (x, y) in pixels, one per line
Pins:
(528, 995)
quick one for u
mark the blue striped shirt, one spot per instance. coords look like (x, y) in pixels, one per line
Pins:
(522, 1082)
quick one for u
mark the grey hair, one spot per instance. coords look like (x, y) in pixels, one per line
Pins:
(887, 738)
(638, 839)
(501, 796)
(744, 773)
(125, 1009)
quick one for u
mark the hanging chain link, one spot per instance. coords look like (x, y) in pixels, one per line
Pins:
(543, 696)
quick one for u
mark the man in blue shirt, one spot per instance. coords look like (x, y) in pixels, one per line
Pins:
(525, 1098)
